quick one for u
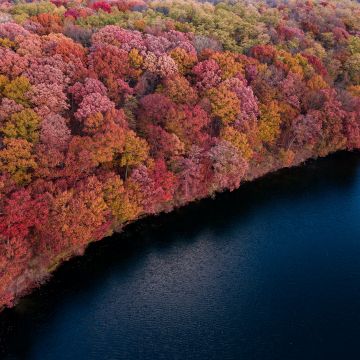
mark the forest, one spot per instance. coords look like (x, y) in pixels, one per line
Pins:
(115, 110)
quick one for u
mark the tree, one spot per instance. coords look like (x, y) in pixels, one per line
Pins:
(136, 151)
(238, 140)
(17, 159)
(16, 90)
(224, 104)
(50, 165)
(152, 188)
(123, 207)
(41, 72)
(7, 108)
(183, 59)
(228, 64)
(90, 86)
(48, 99)
(55, 132)
(249, 109)
(163, 144)
(162, 65)
(352, 67)
(92, 104)
(22, 215)
(78, 215)
(108, 139)
(269, 124)
(190, 124)
(109, 62)
(80, 161)
(194, 175)
(157, 45)
(102, 5)
(333, 117)
(316, 83)
(154, 109)
(228, 166)
(23, 125)
(207, 74)
(179, 90)
(49, 23)
(352, 130)
(119, 37)
(11, 30)
(263, 53)
(12, 64)
(306, 129)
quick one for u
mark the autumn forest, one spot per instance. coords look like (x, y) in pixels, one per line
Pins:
(114, 110)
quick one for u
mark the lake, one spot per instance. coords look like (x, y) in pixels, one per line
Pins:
(270, 271)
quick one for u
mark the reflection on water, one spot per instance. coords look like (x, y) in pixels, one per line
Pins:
(271, 271)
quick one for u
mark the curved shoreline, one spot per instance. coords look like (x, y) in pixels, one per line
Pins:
(40, 275)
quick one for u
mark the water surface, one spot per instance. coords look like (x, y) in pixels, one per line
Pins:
(271, 271)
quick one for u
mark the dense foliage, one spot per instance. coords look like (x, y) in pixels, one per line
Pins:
(110, 111)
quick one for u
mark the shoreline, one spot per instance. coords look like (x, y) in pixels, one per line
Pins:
(38, 276)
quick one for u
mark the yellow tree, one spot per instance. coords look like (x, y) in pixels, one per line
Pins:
(269, 124)
(228, 65)
(354, 90)
(24, 125)
(16, 158)
(238, 139)
(316, 83)
(136, 151)
(4, 80)
(16, 90)
(224, 104)
(179, 90)
(118, 198)
(184, 60)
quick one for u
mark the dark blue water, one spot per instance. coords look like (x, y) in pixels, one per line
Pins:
(271, 271)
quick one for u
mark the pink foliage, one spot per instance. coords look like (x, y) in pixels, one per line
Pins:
(156, 185)
(352, 130)
(340, 34)
(12, 64)
(307, 128)
(80, 90)
(248, 102)
(289, 33)
(44, 73)
(163, 144)
(208, 74)
(102, 5)
(181, 40)
(21, 213)
(54, 132)
(93, 103)
(114, 35)
(11, 30)
(29, 45)
(193, 174)
(292, 89)
(157, 44)
(73, 12)
(162, 65)
(8, 107)
(48, 98)
(316, 63)
(154, 108)
(229, 167)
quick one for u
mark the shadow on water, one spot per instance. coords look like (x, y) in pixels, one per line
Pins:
(122, 252)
